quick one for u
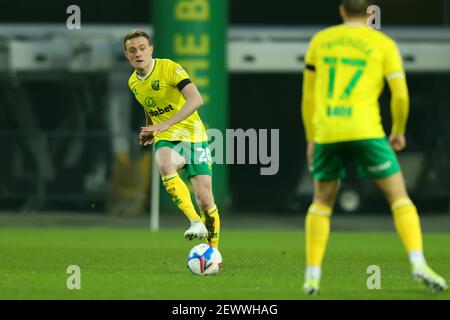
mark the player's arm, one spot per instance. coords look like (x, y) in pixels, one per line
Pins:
(194, 101)
(146, 137)
(148, 119)
(395, 77)
(179, 78)
(399, 104)
(308, 100)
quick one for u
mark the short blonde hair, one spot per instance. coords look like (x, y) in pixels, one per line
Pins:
(136, 33)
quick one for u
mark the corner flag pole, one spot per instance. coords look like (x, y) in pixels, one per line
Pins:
(154, 210)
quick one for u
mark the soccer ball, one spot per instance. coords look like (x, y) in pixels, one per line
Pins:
(204, 260)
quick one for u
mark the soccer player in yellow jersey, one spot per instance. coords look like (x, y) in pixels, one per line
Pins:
(170, 101)
(346, 66)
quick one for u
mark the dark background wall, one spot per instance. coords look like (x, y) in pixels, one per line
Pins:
(244, 12)
(266, 100)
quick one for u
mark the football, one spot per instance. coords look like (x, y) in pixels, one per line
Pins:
(204, 260)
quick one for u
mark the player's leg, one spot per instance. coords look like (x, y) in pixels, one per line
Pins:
(169, 161)
(327, 168)
(202, 185)
(199, 171)
(377, 160)
(407, 223)
(317, 230)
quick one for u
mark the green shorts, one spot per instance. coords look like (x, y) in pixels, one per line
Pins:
(374, 158)
(197, 155)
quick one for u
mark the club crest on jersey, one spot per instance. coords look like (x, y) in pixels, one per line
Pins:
(155, 85)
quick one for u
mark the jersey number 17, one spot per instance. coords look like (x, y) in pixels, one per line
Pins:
(333, 62)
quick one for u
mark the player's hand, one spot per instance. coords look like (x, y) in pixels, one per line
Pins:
(158, 128)
(397, 142)
(310, 153)
(146, 137)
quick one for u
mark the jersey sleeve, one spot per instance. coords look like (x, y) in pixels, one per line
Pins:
(393, 65)
(178, 77)
(310, 58)
(307, 104)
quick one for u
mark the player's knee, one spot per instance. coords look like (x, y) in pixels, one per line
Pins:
(167, 169)
(393, 187)
(325, 192)
(396, 197)
(403, 200)
(204, 198)
(325, 198)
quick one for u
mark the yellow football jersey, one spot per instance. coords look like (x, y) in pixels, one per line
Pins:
(350, 63)
(161, 98)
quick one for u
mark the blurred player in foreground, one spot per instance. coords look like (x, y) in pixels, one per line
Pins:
(170, 101)
(344, 76)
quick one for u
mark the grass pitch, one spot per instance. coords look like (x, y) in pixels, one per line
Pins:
(138, 264)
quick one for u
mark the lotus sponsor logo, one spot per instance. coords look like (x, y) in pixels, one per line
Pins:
(150, 102)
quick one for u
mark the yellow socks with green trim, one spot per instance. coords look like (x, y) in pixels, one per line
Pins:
(317, 230)
(211, 220)
(407, 223)
(180, 195)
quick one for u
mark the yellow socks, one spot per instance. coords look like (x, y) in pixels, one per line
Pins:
(211, 220)
(408, 227)
(180, 195)
(317, 229)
